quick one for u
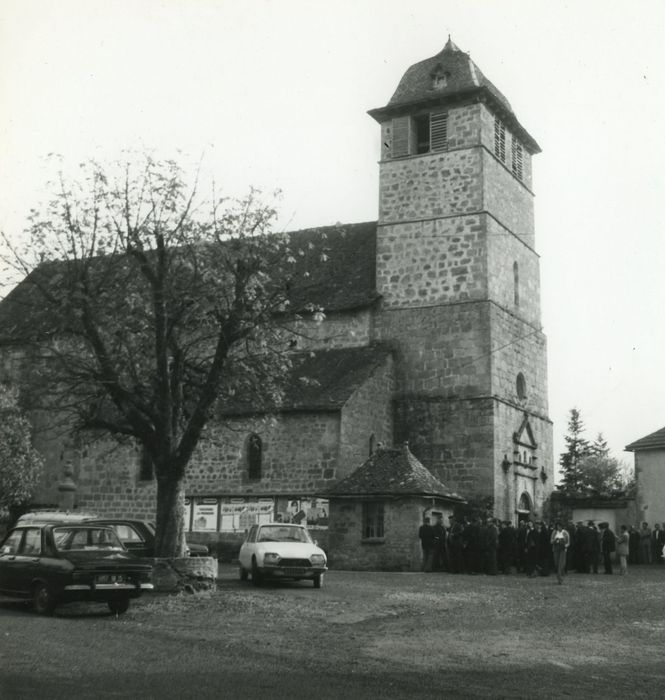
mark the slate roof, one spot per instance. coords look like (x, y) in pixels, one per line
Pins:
(463, 75)
(340, 261)
(331, 377)
(392, 472)
(463, 80)
(653, 441)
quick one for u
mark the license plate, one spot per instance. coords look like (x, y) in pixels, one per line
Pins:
(111, 578)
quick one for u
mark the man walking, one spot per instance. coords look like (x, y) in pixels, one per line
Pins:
(427, 538)
(560, 542)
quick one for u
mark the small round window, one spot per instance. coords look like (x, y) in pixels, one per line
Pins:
(520, 385)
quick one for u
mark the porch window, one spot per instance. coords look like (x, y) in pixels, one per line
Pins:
(372, 520)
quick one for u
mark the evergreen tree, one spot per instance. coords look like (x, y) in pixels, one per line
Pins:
(570, 461)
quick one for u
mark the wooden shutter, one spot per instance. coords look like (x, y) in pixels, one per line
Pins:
(439, 131)
(401, 129)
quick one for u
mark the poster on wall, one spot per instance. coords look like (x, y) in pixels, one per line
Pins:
(204, 516)
(312, 512)
(239, 514)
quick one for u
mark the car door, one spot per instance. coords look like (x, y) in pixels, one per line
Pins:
(8, 562)
(247, 549)
(28, 560)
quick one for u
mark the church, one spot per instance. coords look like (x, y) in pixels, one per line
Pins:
(432, 336)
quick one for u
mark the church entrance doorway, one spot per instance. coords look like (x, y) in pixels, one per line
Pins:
(524, 508)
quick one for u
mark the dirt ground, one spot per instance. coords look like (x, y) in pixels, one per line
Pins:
(363, 635)
(474, 636)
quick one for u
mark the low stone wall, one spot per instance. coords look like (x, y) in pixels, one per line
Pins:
(189, 574)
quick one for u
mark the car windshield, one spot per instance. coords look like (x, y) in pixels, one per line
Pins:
(283, 533)
(68, 539)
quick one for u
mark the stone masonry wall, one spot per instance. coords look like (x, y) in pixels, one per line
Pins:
(454, 439)
(427, 186)
(503, 250)
(425, 262)
(508, 200)
(518, 348)
(368, 412)
(398, 550)
(441, 350)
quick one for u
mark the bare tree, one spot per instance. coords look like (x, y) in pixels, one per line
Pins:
(147, 307)
(20, 463)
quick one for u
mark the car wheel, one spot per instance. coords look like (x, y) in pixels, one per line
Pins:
(118, 606)
(257, 579)
(244, 574)
(318, 580)
(43, 601)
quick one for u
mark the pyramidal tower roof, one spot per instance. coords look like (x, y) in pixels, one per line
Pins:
(449, 77)
(458, 74)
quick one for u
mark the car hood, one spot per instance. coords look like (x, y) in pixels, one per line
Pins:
(290, 550)
(116, 560)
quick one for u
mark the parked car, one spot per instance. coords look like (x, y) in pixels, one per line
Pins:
(138, 536)
(60, 563)
(280, 550)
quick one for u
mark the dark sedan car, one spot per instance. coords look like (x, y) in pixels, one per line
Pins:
(53, 564)
(138, 536)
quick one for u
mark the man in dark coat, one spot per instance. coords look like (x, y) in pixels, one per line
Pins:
(633, 545)
(491, 546)
(456, 546)
(426, 535)
(507, 545)
(657, 543)
(440, 548)
(607, 546)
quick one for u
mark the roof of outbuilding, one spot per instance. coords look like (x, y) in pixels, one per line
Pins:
(653, 441)
(321, 380)
(339, 262)
(392, 472)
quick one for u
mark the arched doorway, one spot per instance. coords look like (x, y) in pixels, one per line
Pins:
(524, 507)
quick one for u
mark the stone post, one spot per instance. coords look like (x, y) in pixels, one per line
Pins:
(67, 489)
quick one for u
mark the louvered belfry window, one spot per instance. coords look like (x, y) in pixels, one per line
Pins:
(499, 139)
(423, 133)
(518, 159)
(439, 131)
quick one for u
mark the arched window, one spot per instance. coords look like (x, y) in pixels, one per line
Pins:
(520, 387)
(516, 283)
(254, 456)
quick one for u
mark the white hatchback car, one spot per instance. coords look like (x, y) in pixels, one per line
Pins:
(281, 550)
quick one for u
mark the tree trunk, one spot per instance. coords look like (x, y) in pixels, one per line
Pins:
(170, 537)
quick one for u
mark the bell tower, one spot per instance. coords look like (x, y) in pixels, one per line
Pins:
(458, 272)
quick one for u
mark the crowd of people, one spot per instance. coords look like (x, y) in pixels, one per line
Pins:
(489, 546)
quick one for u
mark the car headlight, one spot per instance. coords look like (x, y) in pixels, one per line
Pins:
(270, 558)
(318, 559)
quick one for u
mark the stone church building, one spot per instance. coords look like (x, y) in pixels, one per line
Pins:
(432, 335)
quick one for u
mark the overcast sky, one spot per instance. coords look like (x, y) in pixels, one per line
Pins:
(275, 93)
